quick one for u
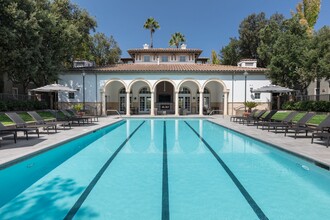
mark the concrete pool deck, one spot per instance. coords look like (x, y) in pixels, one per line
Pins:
(11, 153)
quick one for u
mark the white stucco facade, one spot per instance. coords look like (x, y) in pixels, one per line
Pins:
(171, 85)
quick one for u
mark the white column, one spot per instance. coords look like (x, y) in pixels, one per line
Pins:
(225, 104)
(201, 100)
(176, 103)
(128, 109)
(104, 104)
(152, 110)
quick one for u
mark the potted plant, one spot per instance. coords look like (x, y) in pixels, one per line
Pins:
(78, 108)
(250, 105)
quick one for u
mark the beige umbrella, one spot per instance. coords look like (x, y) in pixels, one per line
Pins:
(53, 88)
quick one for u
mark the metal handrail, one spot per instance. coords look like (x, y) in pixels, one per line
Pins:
(116, 111)
(220, 111)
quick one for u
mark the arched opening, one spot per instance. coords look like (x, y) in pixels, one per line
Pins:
(115, 96)
(164, 93)
(213, 95)
(187, 97)
(141, 100)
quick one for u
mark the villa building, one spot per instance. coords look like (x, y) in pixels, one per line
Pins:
(165, 81)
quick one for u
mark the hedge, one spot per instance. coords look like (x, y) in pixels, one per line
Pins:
(315, 106)
(22, 105)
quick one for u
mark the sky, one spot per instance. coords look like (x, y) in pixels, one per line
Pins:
(207, 25)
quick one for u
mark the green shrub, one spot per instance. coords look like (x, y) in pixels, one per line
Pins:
(315, 106)
(22, 105)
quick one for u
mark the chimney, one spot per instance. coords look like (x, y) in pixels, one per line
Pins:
(248, 63)
(145, 46)
(183, 46)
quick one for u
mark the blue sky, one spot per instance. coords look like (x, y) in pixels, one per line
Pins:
(207, 24)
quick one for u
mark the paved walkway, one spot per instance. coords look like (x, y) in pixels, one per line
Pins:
(302, 146)
(11, 152)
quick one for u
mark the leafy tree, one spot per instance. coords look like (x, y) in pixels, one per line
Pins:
(230, 54)
(289, 62)
(177, 39)
(308, 13)
(268, 36)
(105, 50)
(42, 37)
(249, 36)
(215, 58)
(152, 25)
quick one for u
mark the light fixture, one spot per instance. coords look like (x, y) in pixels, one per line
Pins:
(245, 76)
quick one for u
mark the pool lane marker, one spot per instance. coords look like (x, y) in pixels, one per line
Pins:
(238, 184)
(91, 185)
(165, 195)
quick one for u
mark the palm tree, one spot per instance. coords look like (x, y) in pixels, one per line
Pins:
(151, 24)
(177, 39)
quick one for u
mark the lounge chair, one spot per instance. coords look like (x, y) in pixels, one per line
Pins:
(26, 131)
(287, 121)
(236, 118)
(321, 135)
(4, 132)
(91, 117)
(263, 118)
(254, 117)
(73, 119)
(300, 123)
(20, 123)
(325, 124)
(40, 121)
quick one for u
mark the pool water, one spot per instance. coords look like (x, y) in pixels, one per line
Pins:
(164, 169)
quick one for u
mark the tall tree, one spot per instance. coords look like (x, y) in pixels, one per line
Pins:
(105, 50)
(215, 58)
(177, 39)
(308, 13)
(42, 37)
(230, 54)
(289, 63)
(249, 36)
(152, 25)
(268, 36)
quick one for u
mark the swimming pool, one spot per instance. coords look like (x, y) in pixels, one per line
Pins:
(161, 169)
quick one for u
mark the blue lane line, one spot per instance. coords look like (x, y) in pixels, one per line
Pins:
(91, 185)
(165, 196)
(238, 184)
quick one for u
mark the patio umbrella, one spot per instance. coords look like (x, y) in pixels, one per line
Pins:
(273, 89)
(53, 88)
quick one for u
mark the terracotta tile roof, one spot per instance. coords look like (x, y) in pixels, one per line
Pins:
(170, 68)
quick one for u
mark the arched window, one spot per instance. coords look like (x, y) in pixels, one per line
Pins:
(122, 91)
(184, 90)
(206, 91)
(144, 90)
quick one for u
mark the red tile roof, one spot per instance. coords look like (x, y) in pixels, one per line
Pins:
(170, 68)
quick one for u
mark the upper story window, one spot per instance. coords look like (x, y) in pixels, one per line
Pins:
(71, 95)
(257, 95)
(183, 58)
(146, 58)
(164, 58)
